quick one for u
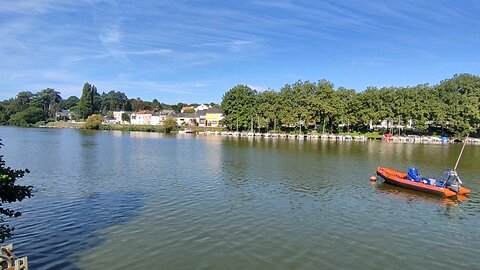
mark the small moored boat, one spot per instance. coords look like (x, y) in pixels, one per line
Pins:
(448, 187)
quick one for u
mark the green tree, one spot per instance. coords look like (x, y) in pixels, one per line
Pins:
(94, 121)
(189, 111)
(268, 105)
(10, 192)
(115, 101)
(238, 106)
(126, 117)
(48, 100)
(212, 104)
(287, 114)
(138, 104)
(177, 108)
(170, 123)
(367, 111)
(86, 106)
(461, 98)
(4, 117)
(30, 116)
(70, 102)
(343, 107)
(23, 100)
(156, 105)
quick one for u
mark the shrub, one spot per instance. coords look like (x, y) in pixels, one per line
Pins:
(94, 121)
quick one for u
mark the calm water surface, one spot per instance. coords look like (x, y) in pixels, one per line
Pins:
(113, 200)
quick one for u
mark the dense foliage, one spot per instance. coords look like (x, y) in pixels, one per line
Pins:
(88, 103)
(170, 123)
(94, 121)
(10, 192)
(451, 107)
(30, 109)
(239, 107)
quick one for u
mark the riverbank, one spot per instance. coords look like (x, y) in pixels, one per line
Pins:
(210, 131)
(76, 125)
(220, 131)
(344, 137)
(128, 127)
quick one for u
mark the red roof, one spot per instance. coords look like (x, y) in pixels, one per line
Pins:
(144, 112)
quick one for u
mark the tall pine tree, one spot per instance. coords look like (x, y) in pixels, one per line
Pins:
(86, 105)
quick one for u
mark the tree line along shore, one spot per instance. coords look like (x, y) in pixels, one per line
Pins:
(450, 108)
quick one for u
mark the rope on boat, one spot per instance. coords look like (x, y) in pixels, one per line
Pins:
(461, 152)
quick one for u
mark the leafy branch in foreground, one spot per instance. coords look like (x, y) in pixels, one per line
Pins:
(10, 192)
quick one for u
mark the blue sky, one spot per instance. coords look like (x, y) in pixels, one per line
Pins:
(195, 51)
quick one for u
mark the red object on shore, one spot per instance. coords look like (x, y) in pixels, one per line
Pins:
(400, 179)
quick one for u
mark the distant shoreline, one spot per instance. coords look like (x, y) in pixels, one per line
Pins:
(129, 127)
(220, 131)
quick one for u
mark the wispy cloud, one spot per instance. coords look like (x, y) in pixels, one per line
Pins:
(55, 75)
(259, 88)
(150, 52)
(51, 75)
(28, 6)
(234, 45)
(110, 34)
(173, 47)
(119, 54)
(43, 6)
(132, 86)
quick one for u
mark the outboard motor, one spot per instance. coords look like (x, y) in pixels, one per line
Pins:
(452, 181)
(454, 187)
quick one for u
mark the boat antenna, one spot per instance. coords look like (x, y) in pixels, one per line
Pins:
(461, 152)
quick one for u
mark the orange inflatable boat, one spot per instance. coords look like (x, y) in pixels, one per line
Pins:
(448, 187)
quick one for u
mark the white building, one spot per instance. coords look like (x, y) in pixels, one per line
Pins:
(141, 118)
(390, 124)
(159, 117)
(155, 120)
(117, 117)
(202, 107)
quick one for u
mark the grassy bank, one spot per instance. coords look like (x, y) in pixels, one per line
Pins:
(145, 128)
(80, 125)
(197, 129)
(161, 129)
(64, 125)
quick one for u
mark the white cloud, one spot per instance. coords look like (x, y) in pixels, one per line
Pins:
(43, 6)
(110, 34)
(259, 88)
(238, 45)
(234, 45)
(150, 52)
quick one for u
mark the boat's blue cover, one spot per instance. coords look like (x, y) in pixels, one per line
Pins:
(439, 184)
(413, 175)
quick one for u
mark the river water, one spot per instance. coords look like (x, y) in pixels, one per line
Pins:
(120, 200)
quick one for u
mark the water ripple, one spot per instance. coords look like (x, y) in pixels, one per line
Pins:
(51, 235)
(130, 200)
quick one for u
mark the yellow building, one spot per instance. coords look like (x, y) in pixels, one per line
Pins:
(213, 117)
